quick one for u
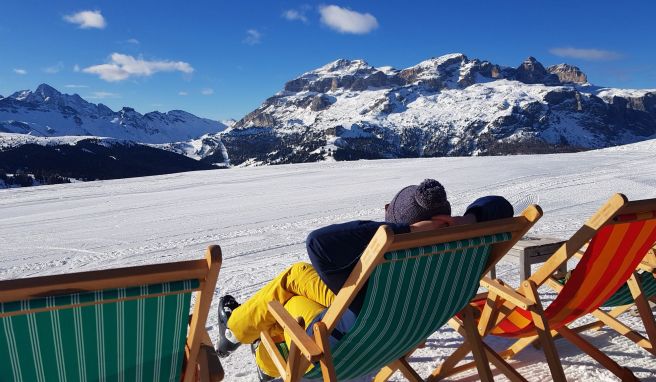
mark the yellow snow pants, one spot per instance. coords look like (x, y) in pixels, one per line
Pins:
(299, 289)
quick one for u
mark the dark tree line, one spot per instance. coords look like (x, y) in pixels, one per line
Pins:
(22, 179)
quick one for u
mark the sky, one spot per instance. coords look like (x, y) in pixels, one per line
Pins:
(222, 59)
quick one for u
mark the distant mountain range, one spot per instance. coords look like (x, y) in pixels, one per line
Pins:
(444, 106)
(46, 112)
(345, 110)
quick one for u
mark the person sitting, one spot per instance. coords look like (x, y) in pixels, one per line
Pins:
(307, 290)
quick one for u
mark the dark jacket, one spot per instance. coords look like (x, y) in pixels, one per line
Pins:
(335, 249)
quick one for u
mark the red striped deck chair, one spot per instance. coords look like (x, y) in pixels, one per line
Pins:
(638, 291)
(618, 237)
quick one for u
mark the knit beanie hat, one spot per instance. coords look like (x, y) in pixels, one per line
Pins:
(416, 203)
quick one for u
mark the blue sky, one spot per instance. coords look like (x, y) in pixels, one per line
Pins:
(221, 59)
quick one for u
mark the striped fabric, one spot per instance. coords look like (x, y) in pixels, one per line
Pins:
(623, 295)
(408, 298)
(135, 340)
(610, 259)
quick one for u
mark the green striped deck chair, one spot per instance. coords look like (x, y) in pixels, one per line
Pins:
(416, 282)
(127, 324)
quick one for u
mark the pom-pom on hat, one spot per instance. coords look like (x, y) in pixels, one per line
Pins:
(416, 203)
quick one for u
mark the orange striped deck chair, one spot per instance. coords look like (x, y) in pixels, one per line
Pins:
(638, 291)
(618, 237)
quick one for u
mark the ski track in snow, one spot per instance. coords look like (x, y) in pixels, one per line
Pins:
(261, 216)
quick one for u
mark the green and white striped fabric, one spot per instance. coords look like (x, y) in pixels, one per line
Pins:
(408, 299)
(139, 340)
(623, 295)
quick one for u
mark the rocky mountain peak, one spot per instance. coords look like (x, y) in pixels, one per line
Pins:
(20, 95)
(531, 71)
(343, 67)
(46, 91)
(568, 73)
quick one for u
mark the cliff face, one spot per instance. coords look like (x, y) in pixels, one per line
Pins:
(568, 74)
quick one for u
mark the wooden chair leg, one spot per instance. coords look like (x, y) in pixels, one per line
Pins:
(408, 371)
(503, 366)
(624, 330)
(474, 339)
(296, 363)
(326, 362)
(544, 333)
(643, 308)
(448, 367)
(621, 372)
(385, 373)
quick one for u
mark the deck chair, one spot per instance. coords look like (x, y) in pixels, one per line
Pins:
(124, 324)
(638, 291)
(416, 282)
(619, 234)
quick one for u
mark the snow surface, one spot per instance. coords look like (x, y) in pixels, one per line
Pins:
(608, 93)
(260, 216)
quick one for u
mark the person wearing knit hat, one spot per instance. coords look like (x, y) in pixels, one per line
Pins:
(418, 202)
(306, 290)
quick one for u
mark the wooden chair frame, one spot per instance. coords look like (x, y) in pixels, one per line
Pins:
(640, 301)
(501, 300)
(200, 360)
(305, 350)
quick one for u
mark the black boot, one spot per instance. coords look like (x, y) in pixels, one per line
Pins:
(227, 343)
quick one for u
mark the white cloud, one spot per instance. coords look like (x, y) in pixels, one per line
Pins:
(76, 68)
(586, 54)
(345, 20)
(87, 19)
(123, 66)
(133, 41)
(101, 95)
(73, 86)
(54, 69)
(207, 91)
(293, 14)
(20, 71)
(183, 93)
(253, 36)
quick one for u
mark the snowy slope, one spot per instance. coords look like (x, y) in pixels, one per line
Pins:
(260, 216)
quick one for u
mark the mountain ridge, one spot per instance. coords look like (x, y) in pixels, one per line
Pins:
(443, 106)
(48, 112)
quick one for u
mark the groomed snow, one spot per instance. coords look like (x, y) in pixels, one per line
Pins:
(261, 216)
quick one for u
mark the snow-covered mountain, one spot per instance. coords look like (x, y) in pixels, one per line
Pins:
(46, 112)
(444, 106)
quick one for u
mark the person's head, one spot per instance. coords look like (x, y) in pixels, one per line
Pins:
(417, 203)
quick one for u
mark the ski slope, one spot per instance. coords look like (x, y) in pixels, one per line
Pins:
(260, 216)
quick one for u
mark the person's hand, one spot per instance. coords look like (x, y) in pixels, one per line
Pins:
(426, 225)
(449, 221)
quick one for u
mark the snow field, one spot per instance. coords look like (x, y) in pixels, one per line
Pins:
(260, 216)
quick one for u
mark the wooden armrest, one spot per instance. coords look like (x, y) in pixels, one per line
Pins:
(275, 355)
(305, 344)
(506, 293)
